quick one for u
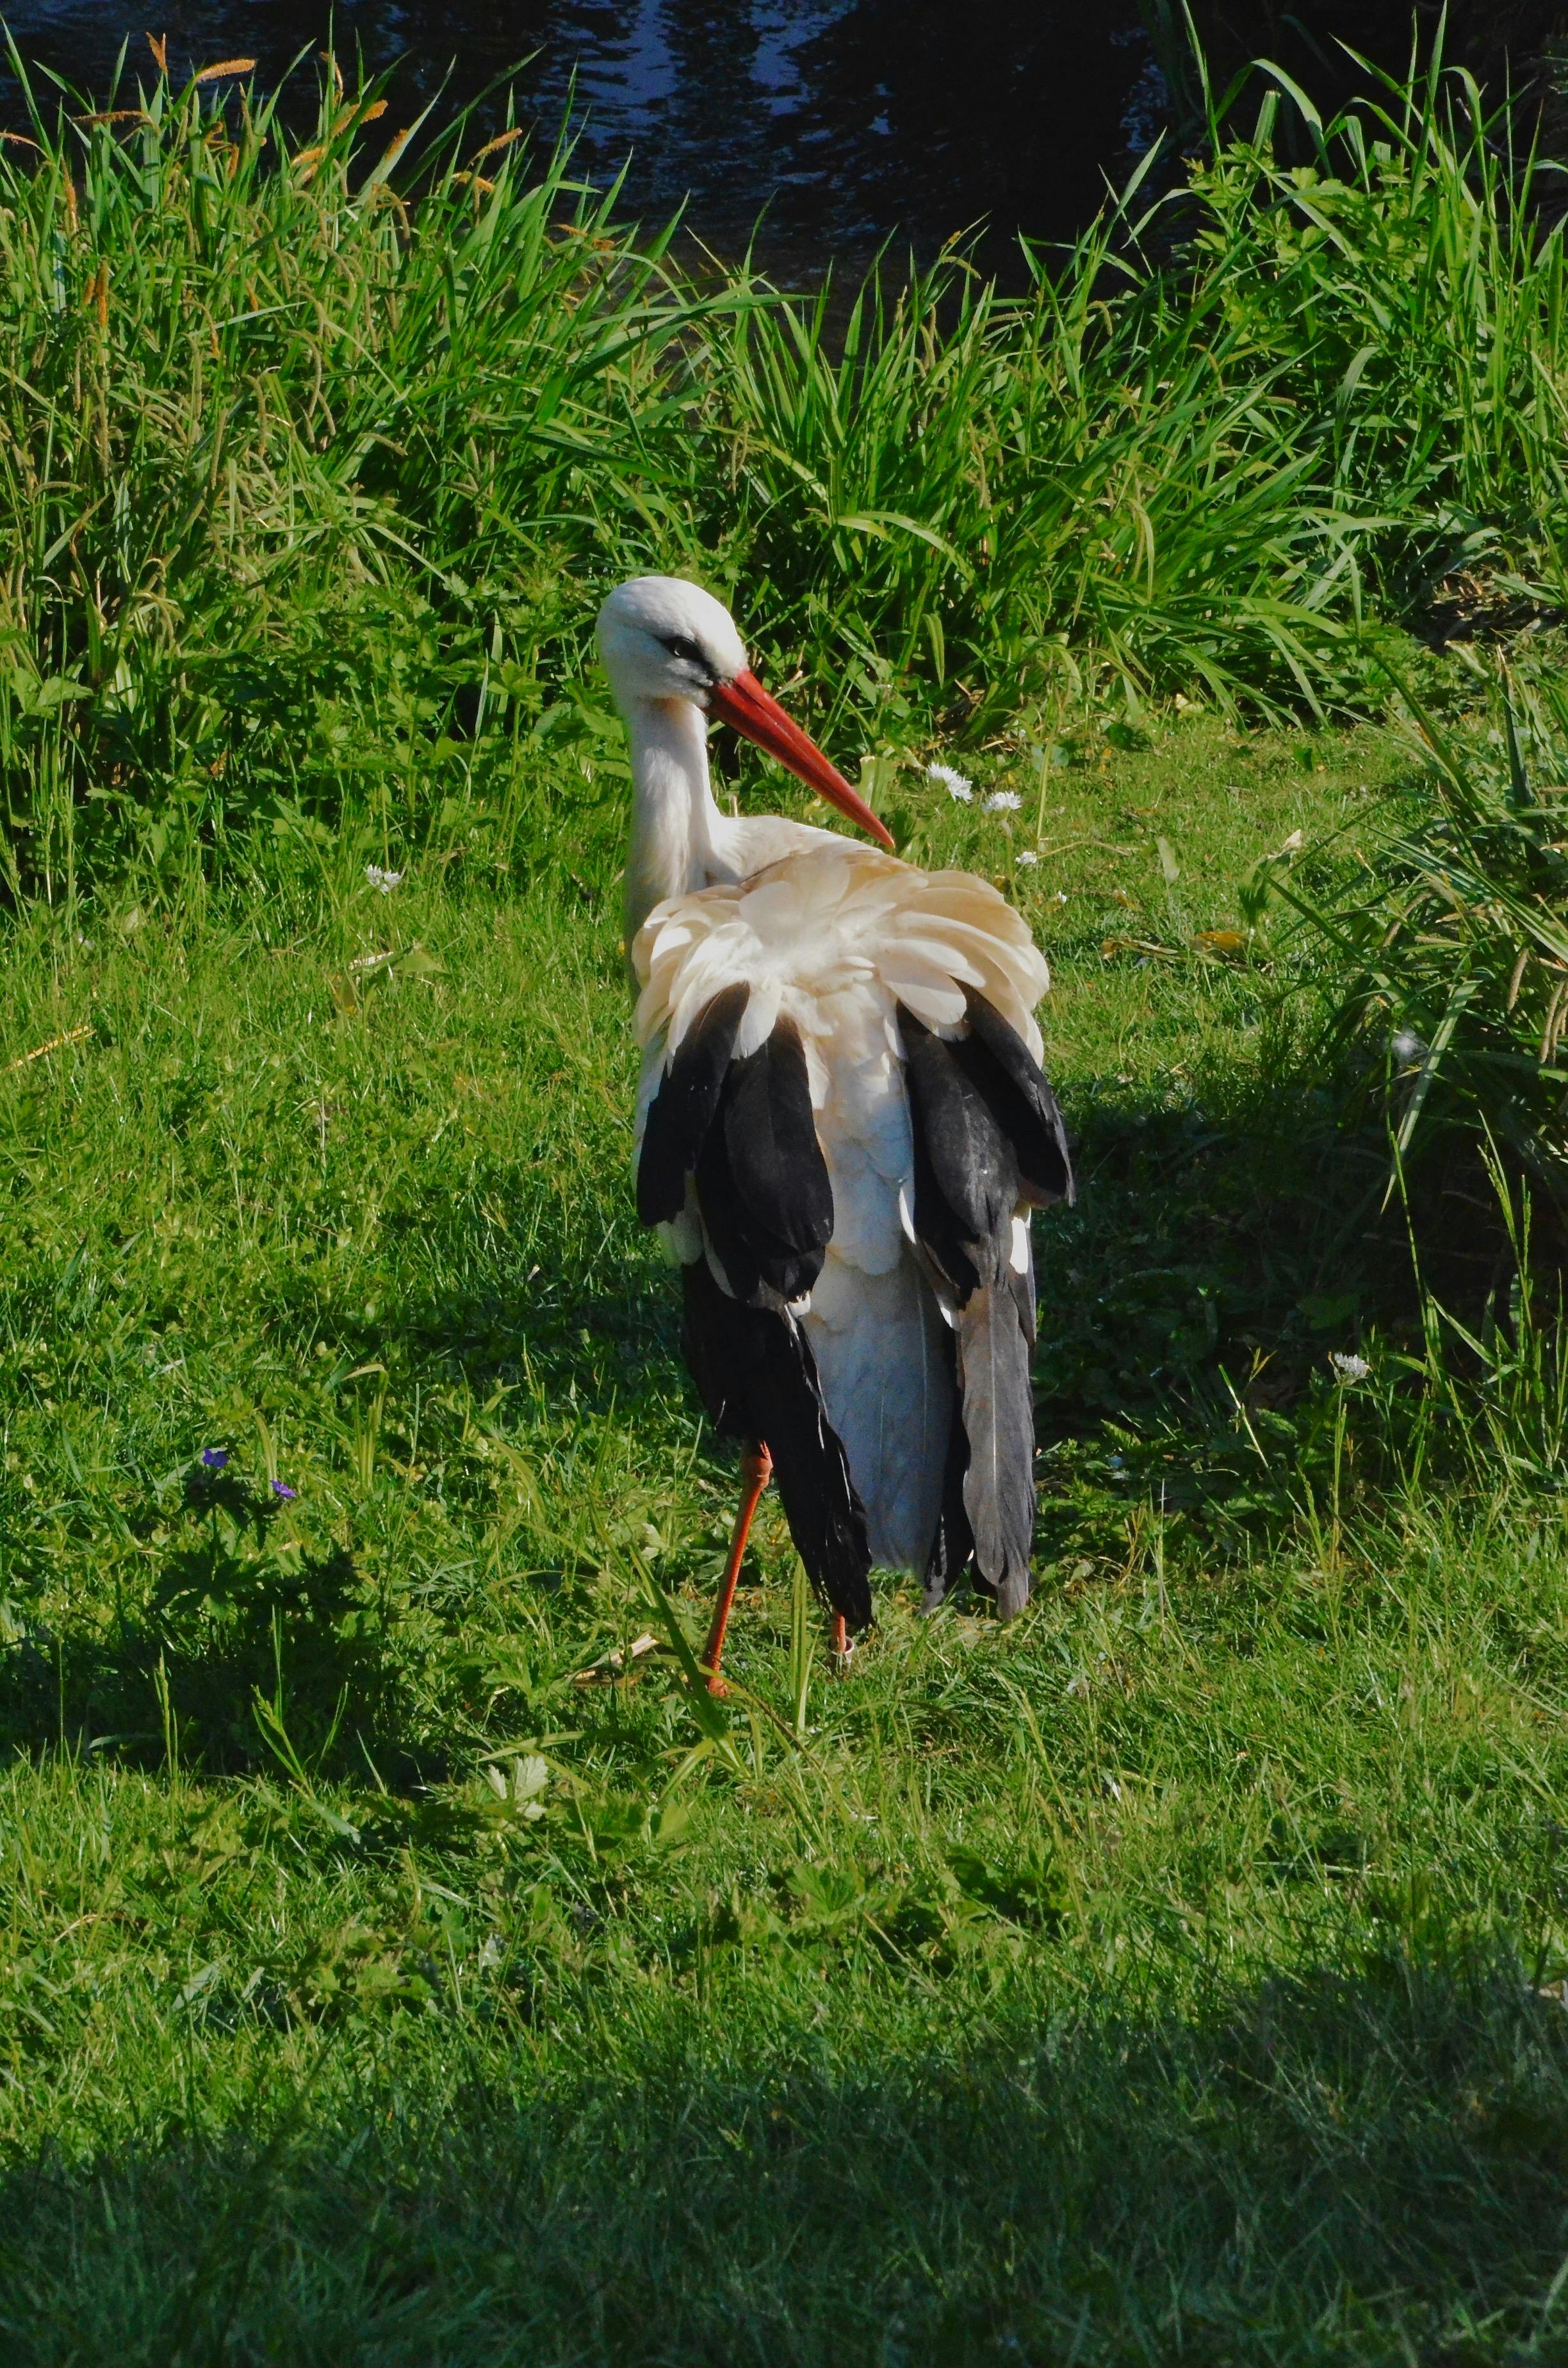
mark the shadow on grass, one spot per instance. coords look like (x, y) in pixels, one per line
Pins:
(1222, 1252)
(238, 1622)
(473, 1275)
(1203, 1237)
(1340, 2166)
(183, 1678)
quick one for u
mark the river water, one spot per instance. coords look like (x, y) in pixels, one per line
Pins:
(840, 123)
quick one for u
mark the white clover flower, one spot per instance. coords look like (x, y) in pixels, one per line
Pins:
(1027, 855)
(1349, 1369)
(1002, 801)
(1407, 1046)
(956, 784)
(383, 880)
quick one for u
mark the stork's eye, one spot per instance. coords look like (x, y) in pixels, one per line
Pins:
(682, 647)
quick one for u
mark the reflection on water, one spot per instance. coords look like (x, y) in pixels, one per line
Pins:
(849, 121)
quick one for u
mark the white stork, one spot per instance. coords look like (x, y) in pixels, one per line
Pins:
(842, 1128)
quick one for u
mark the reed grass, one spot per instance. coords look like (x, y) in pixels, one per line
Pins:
(1410, 280)
(1441, 938)
(302, 472)
(316, 455)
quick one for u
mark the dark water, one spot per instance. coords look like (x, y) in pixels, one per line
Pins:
(849, 121)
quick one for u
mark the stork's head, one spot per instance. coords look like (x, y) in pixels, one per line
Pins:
(661, 639)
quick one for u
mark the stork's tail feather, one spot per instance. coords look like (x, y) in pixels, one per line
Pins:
(989, 1145)
(998, 1420)
(757, 1378)
(953, 1544)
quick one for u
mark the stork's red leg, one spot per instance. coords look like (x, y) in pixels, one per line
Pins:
(757, 1467)
(843, 1643)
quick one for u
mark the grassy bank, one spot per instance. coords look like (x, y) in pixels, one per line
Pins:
(1178, 1969)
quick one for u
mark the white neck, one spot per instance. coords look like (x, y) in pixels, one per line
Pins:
(675, 826)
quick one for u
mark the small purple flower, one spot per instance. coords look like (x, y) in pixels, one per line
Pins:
(281, 1488)
(214, 1458)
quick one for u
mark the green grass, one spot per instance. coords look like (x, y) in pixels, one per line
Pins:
(1177, 1972)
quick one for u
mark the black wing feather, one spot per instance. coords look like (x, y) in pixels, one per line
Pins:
(682, 1109)
(966, 1171)
(953, 1546)
(988, 1138)
(998, 1420)
(758, 1380)
(744, 1130)
(998, 1062)
(762, 1182)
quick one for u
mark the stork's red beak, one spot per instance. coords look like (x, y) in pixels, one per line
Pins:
(746, 704)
